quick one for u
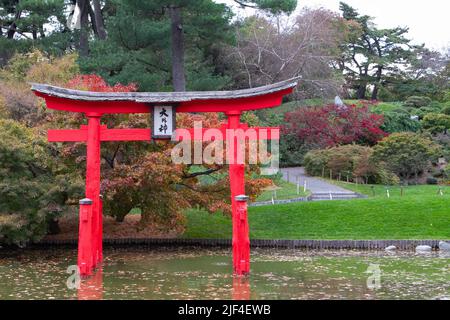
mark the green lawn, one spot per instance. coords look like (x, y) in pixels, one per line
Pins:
(287, 191)
(380, 191)
(419, 214)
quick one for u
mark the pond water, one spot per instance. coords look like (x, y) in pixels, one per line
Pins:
(194, 273)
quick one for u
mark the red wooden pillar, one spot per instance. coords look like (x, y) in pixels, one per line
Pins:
(100, 231)
(240, 241)
(85, 237)
(89, 230)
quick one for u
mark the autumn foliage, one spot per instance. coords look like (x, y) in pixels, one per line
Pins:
(93, 82)
(332, 125)
(135, 175)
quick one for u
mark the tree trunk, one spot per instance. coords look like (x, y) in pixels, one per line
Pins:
(41, 31)
(178, 76)
(13, 27)
(83, 45)
(375, 92)
(100, 25)
(93, 20)
(361, 92)
(34, 32)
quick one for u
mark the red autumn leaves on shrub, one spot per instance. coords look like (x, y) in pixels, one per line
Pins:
(331, 125)
(93, 82)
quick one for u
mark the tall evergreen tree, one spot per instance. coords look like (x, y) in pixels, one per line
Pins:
(159, 43)
(167, 44)
(372, 54)
(272, 6)
(26, 23)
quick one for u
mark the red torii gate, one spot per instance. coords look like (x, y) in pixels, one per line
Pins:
(95, 104)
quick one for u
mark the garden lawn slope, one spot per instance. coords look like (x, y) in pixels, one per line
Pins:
(416, 215)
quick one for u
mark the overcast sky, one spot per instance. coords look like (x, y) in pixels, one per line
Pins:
(428, 20)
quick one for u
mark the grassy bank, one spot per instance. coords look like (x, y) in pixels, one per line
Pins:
(380, 191)
(287, 191)
(419, 214)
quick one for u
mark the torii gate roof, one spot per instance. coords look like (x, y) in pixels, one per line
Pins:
(138, 102)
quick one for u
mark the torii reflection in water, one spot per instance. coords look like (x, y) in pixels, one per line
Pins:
(91, 288)
(241, 288)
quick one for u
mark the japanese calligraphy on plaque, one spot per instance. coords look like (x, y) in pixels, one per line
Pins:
(163, 122)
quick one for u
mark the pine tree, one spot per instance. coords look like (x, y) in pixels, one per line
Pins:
(373, 54)
(32, 23)
(167, 44)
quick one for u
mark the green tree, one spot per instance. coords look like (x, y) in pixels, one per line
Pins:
(425, 76)
(436, 123)
(146, 46)
(33, 192)
(349, 162)
(272, 6)
(32, 23)
(399, 122)
(406, 154)
(417, 102)
(167, 44)
(372, 55)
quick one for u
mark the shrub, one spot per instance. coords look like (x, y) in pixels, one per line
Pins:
(352, 161)
(16, 99)
(19, 103)
(421, 112)
(447, 171)
(315, 162)
(386, 177)
(251, 119)
(400, 110)
(436, 122)
(446, 110)
(417, 102)
(331, 125)
(406, 154)
(292, 150)
(32, 191)
(443, 139)
(399, 122)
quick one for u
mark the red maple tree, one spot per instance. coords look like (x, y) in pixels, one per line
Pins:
(93, 82)
(331, 125)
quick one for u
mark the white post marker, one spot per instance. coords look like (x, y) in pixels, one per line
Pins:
(387, 193)
(304, 186)
(331, 196)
